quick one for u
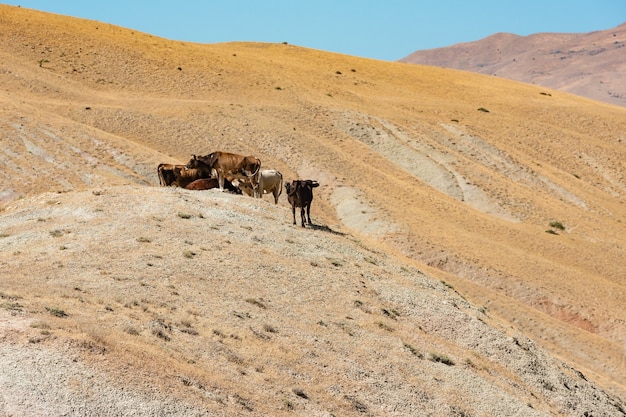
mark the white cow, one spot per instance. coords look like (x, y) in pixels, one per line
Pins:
(269, 180)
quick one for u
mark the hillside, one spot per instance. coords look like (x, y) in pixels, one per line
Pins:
(433, 274)
(590, 64)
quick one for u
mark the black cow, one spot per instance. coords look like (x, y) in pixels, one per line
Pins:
(300, 194)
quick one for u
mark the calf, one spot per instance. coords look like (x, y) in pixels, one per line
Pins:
(300, 194)
(209, 183)
(270, 181)
(202, 184)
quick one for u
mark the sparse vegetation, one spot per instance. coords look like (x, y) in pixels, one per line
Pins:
(269, 328)
(57, 312)
(437, 357)
(56, 233)
(142, 239)
(384, 326)
(482, 109)
(255, 302)
(11, 305)
(370, 260)
(557, 225)
(413, 350)
(184, 215)
(445, 284)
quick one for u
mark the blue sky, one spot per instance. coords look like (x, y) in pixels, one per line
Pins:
(387, 30)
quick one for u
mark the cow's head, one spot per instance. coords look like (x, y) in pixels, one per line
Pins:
(193, 163)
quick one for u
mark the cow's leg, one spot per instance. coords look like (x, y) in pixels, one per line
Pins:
(275, 192)
(293, 211)
(302, 219)
(220, 180)
(308, 212)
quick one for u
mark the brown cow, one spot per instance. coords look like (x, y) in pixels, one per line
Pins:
(202, 184)
(177, 175)
(210, 183)
(300, 194)
(229, 165)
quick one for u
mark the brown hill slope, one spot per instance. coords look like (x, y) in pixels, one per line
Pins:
(591, 64)
(429, 174)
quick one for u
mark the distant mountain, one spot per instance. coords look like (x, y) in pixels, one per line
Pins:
(591, 64)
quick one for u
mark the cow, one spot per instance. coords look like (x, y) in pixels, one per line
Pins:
(177, 175)
(202, 184)
(210, 183)
(167, 173)
(270, 181)
(300, 194)
(229, 165)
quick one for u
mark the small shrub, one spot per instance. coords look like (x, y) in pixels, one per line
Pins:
(447, 285)
(189, 254)
(552, 232)
(132, 331)
(40, 325)
(57, 312)
(269, 328)
(413, 350)
(256, 302)
(436, 357)
(160, 334)
(184, 215)
(189, 330)
(384, 326)
(557, 225)
(13, 306)
(300, 393)
(336, 262)
(4, 235)
(142, 239)
(288, 404)
(482, 109)
(370, 260)
(56, 233)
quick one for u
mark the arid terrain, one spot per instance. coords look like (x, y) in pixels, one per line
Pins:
(466, 257)
(591, 65)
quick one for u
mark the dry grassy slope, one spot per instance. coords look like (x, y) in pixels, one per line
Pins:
(211, 303)
(405, 159)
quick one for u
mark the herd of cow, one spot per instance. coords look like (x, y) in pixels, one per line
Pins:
(238, 174)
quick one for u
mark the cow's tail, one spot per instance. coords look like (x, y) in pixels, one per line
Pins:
(280, 188)
(258, 168)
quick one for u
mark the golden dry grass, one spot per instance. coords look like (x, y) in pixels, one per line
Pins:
(414, 177)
